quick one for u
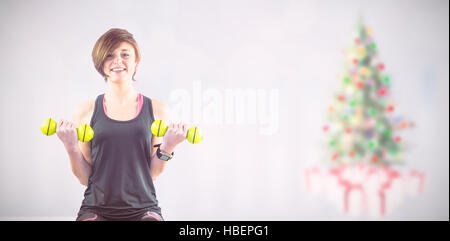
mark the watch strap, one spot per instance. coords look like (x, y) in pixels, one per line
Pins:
(161, 154)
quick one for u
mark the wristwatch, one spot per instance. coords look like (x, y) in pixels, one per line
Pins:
(163, 155)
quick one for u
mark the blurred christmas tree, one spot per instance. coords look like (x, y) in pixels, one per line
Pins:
(360, 127)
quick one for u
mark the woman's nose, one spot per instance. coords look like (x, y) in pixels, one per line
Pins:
(117, 60)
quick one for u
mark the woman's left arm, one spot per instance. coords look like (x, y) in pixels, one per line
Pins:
(175, 134)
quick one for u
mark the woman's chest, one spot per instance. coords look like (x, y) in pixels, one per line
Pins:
(122, 133)
(121, 112)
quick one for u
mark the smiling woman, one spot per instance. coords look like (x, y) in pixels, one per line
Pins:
(124, 45)
(121, 161)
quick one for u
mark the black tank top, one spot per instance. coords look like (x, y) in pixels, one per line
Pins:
(121, 186)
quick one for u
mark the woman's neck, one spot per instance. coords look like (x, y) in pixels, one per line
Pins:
(121, 92)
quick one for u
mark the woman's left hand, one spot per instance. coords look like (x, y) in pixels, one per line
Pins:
(175, 134)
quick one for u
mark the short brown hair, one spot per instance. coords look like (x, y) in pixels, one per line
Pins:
(110, 41)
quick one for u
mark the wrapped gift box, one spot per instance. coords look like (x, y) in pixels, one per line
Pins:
(364, 189)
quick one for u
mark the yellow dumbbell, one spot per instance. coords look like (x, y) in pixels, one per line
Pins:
(85, 132)
(159, 128)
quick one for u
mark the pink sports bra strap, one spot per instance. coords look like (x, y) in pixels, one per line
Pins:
(140, 103)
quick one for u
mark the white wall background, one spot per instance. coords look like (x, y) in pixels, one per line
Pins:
(236, 173)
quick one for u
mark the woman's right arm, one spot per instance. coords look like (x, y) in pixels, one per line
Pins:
(79, 152)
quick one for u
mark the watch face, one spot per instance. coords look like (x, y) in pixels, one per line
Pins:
(162, 156)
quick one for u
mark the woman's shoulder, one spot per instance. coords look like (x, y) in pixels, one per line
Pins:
(160, 109)
(157, 104)
(84, 111)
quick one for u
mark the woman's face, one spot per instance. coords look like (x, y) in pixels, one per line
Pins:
(121, 63)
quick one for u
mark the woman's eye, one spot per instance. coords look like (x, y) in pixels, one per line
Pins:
(109, 56)
(125, 54)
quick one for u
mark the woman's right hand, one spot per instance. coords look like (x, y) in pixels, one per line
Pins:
(67, 133)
